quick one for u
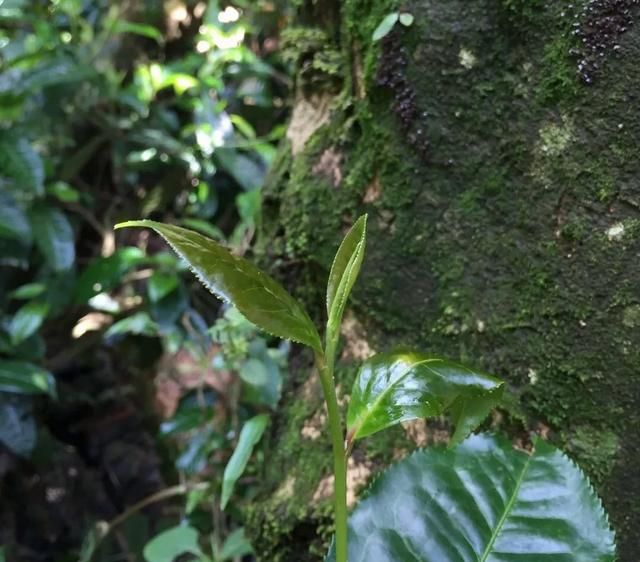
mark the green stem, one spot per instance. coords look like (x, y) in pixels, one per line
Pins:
(339, 458)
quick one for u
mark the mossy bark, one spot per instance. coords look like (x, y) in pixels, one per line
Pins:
(494, 145)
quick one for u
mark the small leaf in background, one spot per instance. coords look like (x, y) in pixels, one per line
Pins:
(254, 372)
(196, 496)
(245, 170)
(63, 192)
(13, 220)
(386, 25)
(160, 285)
(27, 321)
(139, 324)
(25, 378)
(406, 19)
(170, 544)
(261, 299)
(204, 227)
(401, 386)
(249, 435)
(17, 424)
(28, 291)
(484, 501)
(344, 272)
(103, 274)
(54, 236)
(236, 545)
(122, 26)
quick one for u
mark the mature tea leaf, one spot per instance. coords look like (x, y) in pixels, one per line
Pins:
(344, 272)
(257, 296)
(25, 378)
(54, 236)
(249, 435)
(385, 27)
(401, 386)
(482, 501)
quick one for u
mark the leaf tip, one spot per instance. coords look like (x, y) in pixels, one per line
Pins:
(129, 224)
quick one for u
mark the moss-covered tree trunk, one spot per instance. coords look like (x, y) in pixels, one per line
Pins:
(494, 144)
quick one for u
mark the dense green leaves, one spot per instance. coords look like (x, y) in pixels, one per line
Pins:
(481, 502)
(25, 378)
(343, 275)
(170, 544)
(249, 435)
(53, 236)
(400, 386)
(256, 295)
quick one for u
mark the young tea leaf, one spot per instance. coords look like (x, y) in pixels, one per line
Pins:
(483, 501)
(249, 435)
(257, 296)
(344, 272)
(401, 386)
(385, 27)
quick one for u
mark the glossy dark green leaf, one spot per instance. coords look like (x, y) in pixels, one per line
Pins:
(482, 501)
(170, 544)
(385, 27)
(250, 434)
(401, 386)
(54, 236)
(27, 321)
(25, 378)
(344, 272)
(256, 295)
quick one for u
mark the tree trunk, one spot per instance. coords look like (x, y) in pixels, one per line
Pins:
(494, 145)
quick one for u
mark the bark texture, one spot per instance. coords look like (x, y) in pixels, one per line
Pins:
(494, 144)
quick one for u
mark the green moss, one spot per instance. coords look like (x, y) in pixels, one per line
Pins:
(597, 450)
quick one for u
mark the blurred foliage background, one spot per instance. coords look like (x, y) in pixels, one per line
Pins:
(123, 384)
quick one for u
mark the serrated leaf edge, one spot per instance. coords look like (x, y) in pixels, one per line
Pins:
(500, 440)
(145, 223)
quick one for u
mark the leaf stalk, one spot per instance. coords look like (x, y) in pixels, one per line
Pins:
(325, 369)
